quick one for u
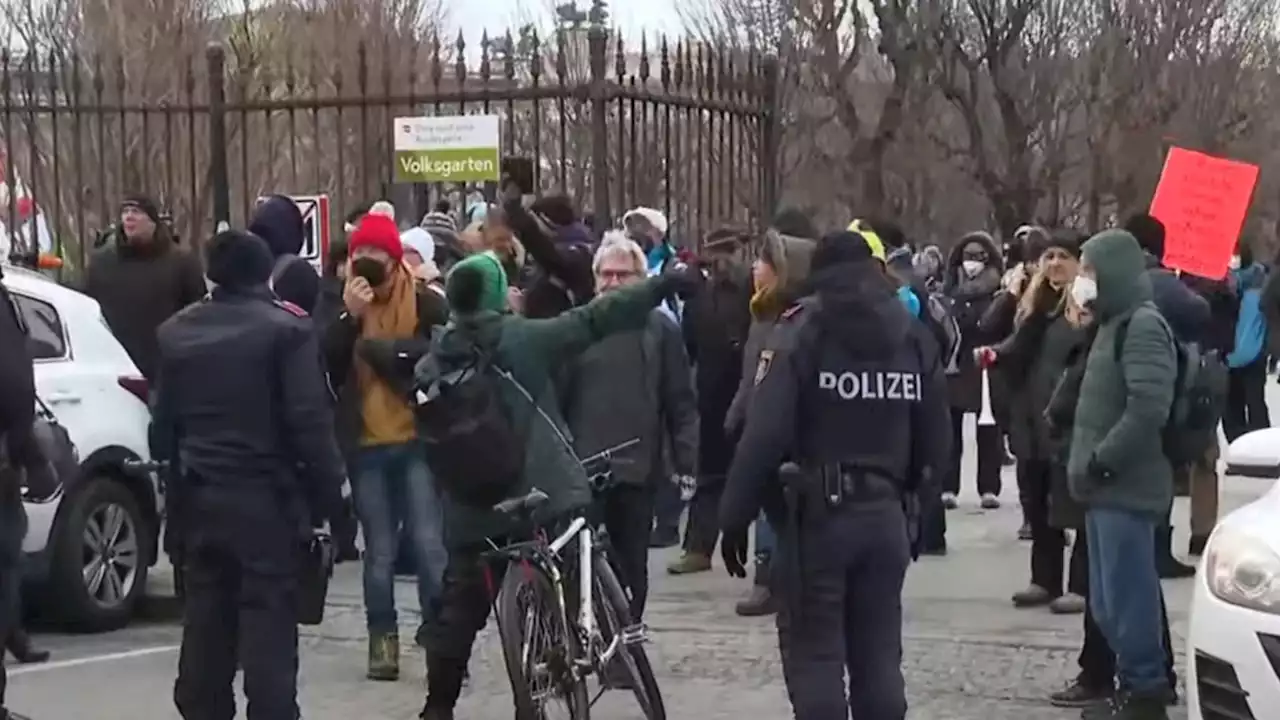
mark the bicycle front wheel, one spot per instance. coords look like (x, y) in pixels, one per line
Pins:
(615, 610)
(538, 648)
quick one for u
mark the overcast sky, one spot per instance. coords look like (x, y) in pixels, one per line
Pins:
(497, 16)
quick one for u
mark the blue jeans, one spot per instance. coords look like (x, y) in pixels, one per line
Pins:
(765, 539)
(392, 486)
(1124, 595)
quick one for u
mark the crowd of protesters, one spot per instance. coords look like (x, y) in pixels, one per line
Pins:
(1019, 322)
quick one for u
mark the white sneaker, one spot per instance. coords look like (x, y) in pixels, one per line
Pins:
(949, 501)
(990, 501)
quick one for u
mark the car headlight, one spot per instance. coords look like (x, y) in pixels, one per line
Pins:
(1242, 570)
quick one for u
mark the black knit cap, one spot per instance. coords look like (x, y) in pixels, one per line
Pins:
(235, 259)
(1067, 240)
(838, 248)
(143, 203)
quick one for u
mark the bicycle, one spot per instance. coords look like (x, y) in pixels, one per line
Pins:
(579, 644)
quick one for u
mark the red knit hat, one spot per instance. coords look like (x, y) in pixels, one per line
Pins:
(377, 231)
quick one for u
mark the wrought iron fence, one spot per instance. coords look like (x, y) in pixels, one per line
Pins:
(683, 127)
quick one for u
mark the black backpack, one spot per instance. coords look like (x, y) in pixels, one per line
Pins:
(1199, 397)
(938, 314)
(472, 446)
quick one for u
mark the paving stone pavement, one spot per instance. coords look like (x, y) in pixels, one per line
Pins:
(968, 654)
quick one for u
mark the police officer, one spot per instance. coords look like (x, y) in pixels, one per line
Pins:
(19, 454)
(243, 399)
(850, 389)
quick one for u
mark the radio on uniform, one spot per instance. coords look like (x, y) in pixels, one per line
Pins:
(872, 385)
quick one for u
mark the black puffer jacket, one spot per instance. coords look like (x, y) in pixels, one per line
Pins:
(971, 296)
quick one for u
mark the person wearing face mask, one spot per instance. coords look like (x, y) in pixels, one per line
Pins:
(649, 228)
(390, 479)
(1193, 320)
(973, 276)
(1028, 363)
(1246, 409)
(1117, 466)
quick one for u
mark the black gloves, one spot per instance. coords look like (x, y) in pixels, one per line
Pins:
(681, 279)
(733, 551)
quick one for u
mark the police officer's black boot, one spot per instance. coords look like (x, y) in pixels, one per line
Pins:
(760, 600)
(19, 644)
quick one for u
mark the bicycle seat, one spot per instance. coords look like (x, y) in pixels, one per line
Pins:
(528, 503)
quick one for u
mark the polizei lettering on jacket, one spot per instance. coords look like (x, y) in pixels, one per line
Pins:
(872, 385)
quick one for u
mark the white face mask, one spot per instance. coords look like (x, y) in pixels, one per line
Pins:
(1084, 290)
(971, 267)
(1235, 262)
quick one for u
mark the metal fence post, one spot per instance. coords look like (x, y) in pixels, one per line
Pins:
(218, 182)
(770, 142)
(597, 42)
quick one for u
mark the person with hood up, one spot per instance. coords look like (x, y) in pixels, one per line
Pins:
(633, 385)
(561, 246)
(141, 280)
(1192, 318)
(1028, 364)
(973, 273)
(1117, 468)
(278, 222)
(826, 399)
(376, 429)
(532, 351)
(929, 266)
(1246, 400)
(715, 327)
(778, 276)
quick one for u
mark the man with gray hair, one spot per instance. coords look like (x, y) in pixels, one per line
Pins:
(633, 386)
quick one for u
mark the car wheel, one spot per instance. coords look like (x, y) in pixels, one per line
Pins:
(102, 551)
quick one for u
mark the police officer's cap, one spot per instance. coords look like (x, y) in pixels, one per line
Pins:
(840, 247)
(237, 259)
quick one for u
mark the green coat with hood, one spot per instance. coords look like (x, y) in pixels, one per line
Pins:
(1117, 457)
(533, 351)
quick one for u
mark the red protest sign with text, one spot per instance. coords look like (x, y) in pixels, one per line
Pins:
(1202, 201)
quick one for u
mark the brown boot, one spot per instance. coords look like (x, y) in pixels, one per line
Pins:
(384, 657)
(690, 563)
(760, 600)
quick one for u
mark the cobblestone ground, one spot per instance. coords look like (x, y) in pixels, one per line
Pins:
(969, 655)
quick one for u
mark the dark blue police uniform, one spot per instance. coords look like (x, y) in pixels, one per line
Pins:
(851, 390)
(243, 402)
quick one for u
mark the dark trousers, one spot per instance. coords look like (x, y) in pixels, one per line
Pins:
(464, 605)
(990, 456)
(703, 529)
(13, 528)
(1047, 541)
(1097, 662)
(237, 616)
(1246, 409)
(853, 563)
(625, 512)
(667, 507)
(933, 523)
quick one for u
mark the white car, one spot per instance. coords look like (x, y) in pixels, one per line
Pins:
(87, 553)
(1233, 653)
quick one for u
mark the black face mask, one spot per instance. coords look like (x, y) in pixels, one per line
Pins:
(369, 269)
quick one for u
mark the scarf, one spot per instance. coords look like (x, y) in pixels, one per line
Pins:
(766, 304)
(388, 420)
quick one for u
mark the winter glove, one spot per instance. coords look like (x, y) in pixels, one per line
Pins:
(733, 551)
(1099, 472)
(681, 279)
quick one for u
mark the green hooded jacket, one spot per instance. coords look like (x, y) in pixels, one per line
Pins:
(533, 351)
(1123, 406)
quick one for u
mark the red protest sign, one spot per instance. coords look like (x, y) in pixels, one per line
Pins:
(1202, 201)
